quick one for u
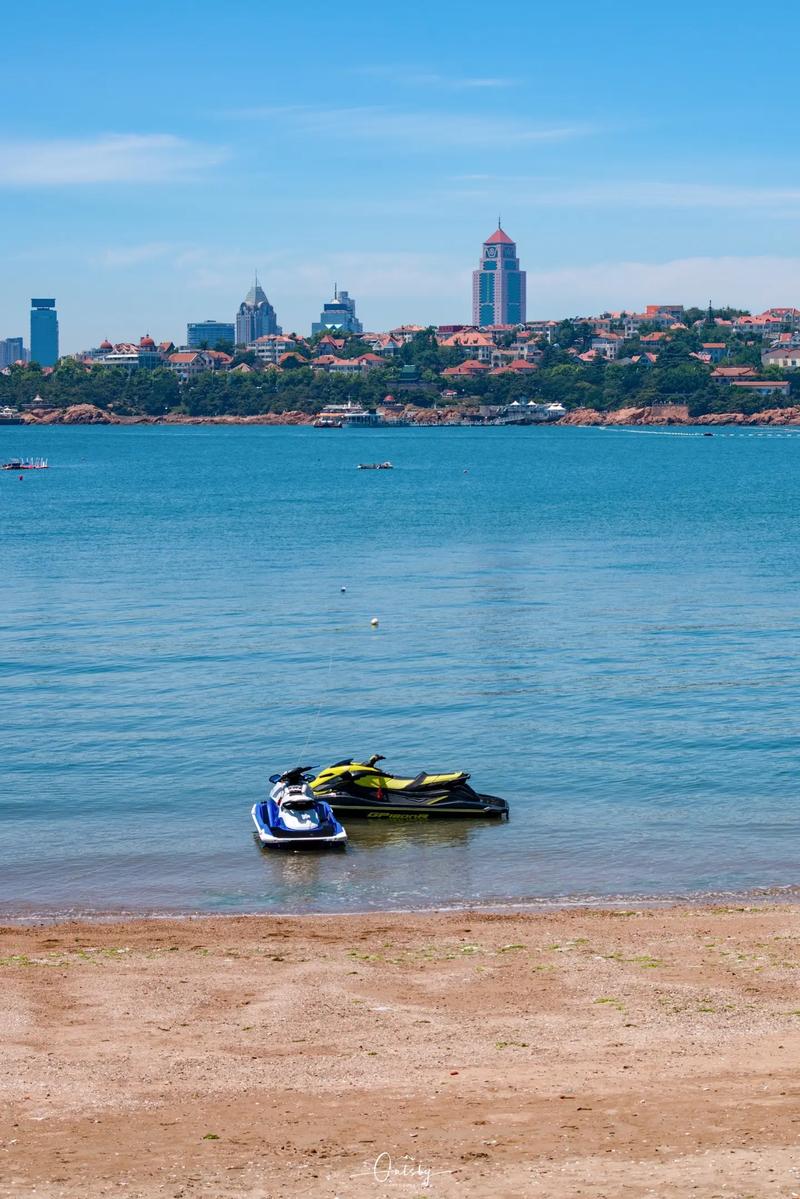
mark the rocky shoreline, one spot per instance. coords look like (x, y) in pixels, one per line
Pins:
(661, 415)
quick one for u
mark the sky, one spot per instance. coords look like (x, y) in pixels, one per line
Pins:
(152, 157)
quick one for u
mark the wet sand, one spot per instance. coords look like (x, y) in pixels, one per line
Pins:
(580, 1053)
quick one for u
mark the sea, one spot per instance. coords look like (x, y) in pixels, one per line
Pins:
(601, 625)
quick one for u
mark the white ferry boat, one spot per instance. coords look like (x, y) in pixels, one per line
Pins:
(346, 416)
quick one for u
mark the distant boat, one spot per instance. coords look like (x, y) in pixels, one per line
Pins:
(25, 464)
(347, 416)
(375, 466)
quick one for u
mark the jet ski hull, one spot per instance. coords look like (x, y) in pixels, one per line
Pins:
(447, 805)
(272, 830)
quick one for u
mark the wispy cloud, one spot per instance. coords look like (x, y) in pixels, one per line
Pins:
(622, 194)
(136, 254)
(749, 282)
(408, 75)
(392, 287)
(414, 130)
(109, 158)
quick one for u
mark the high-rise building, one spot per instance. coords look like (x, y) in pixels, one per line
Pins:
(498, 285)
(11, 350)
(338, 315)
(255, 317)
(44, 332)
(208, 334)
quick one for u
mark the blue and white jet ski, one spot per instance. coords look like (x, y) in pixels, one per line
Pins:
(293, 815)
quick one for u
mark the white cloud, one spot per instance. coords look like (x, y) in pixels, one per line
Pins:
(756, 283)
(616, 193)
(122, 256)
(157, 286)
(436, 288)
(414, 130)
(110, 158)
(178, 254)
(408, 75)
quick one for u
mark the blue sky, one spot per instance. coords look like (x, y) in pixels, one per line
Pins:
(153, 155)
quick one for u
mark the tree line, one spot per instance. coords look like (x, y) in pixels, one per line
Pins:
(676, 377)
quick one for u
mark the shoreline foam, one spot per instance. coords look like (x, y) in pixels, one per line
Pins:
(752, 897)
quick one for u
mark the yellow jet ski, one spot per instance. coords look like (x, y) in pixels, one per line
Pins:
(365, 789)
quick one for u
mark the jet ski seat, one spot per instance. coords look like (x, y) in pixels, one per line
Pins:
(423, 779)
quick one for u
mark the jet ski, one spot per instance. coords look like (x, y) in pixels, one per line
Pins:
(293, 815)
(365, 789)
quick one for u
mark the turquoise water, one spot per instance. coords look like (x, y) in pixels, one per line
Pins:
(602, 626)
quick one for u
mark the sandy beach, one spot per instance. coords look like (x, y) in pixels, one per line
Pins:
(577, 1053)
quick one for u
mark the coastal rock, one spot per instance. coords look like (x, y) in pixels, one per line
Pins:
(722, 418)
(775, 416)
(583, 416)
(75, 414)
(88, 414)
(262, 418)
(626, 416)
(658, 414)
(666, 414)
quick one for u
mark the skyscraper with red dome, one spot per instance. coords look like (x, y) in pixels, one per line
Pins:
(498, 285)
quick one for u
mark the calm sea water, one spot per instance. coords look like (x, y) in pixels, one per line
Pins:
(602, 626)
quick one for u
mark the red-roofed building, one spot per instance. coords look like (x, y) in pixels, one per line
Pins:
(663, 315)
(786, 340)
(544, 329)
(270, 346)
(330, 345)
(405, 333)
(370, 361)
(763, 387)
(727, 374)
(186, 364)
(142, 356)
(472, 343)
(608, 344)
(345, 366)
(465, 369)
(647, 359)
(765, 324)
(383, 343)
(785, 357)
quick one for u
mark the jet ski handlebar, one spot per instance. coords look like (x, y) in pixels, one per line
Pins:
(373, 761)
(296, 775)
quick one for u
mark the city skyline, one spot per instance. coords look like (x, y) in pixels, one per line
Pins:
(626, 157)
